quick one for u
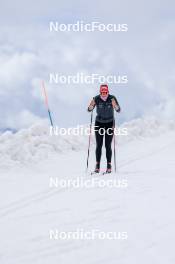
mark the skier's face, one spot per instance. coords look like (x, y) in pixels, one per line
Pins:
(104, 92)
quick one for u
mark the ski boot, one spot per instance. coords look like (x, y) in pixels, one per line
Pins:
(97, 167)
(109, 168)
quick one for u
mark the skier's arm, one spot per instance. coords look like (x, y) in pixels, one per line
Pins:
(91, 105)
(116, 105)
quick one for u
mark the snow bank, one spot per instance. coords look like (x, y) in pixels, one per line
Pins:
(146, 128)
(35, 144)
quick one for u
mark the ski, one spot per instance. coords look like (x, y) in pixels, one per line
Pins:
(95, 173)
(100, 173)
(105, 172)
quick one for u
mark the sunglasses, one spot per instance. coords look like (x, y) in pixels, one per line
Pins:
(104, 92)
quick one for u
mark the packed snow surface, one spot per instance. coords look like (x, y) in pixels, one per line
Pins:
(30, 207)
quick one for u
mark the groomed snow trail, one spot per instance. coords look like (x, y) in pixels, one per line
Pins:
(29, 208)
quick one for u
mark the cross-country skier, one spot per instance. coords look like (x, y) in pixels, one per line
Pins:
(104, 124)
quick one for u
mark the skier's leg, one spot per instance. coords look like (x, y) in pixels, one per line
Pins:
(99, 142)
(108, 141)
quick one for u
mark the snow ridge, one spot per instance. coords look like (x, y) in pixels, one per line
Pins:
(35, 143)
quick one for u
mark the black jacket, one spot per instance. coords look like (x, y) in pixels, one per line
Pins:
(105, 111)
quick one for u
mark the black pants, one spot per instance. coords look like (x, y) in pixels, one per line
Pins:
(104, 130)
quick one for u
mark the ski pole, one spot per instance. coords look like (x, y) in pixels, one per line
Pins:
(89, 141)
(46, 102)
(115, 167)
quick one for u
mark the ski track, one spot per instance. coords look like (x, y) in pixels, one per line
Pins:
(122, 210)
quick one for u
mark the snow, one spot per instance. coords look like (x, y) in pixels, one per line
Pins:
(29, 208)
(36, 143)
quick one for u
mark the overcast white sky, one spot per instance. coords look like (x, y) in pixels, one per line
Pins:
(29, 52)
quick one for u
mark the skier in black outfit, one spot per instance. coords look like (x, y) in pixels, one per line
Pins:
(104, 124)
